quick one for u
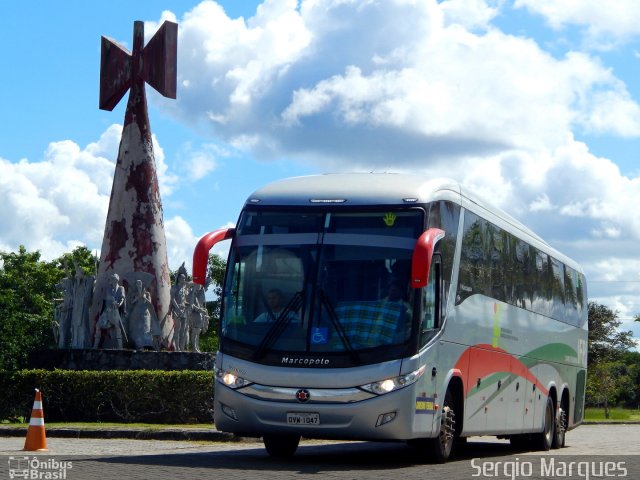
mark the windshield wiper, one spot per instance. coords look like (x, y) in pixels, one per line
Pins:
(279, 325)
(324, 299)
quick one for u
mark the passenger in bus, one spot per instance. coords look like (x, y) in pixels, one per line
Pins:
(395, 294)
(396, 297)
(275, 307)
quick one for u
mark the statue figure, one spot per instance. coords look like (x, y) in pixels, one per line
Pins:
(179, 311)
(110, 320)
(144, 328)
(82, 296)
(198, 316)
(63, 312)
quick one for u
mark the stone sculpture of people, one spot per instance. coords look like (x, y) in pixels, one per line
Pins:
(110, 321)
(143, 321)
(63, 312)
(179, 312)
(197, 314)
(82, 295)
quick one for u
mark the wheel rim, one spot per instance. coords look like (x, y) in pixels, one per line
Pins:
(447, 429)
(561, 426)
(548, 423)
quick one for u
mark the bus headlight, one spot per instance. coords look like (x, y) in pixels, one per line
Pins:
(231, 379)
(391, 384)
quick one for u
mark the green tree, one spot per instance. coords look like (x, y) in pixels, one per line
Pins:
(27, 287)
(27, 293)
(215, 271)
(80, 257)
(630, 395)
(606, 342)
(606, 383)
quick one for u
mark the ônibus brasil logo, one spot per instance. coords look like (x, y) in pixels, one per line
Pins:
(38, 468)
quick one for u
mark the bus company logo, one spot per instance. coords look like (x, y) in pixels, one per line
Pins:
(305, 362)
(303, 395)
(38, 468)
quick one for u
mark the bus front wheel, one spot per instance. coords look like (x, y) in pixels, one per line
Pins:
(281, 446)
(544, 439)
(441, 447)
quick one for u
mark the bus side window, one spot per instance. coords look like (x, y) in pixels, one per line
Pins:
(431, 302)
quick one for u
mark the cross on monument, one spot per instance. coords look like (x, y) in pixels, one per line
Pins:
(154, 64)
(134, 244)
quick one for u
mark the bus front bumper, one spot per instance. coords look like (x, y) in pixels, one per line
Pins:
(392, 416)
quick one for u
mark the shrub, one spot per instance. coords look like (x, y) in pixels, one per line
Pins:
(150, 396)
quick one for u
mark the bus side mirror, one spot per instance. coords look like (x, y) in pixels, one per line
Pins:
(201, 252)
(422, 256)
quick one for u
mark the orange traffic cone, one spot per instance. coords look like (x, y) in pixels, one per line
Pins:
(36, 436)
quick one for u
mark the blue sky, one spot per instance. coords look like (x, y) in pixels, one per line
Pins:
(534, 104)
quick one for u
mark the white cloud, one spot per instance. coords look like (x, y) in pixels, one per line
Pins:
(612, 112)
(605, 23)
(415, 82)
(606, 231)
(470, 13)
(541, 203)
(181, 242)
(55, 204)
(239, 58)
(198, 162)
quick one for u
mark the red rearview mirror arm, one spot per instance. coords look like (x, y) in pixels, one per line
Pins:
(201, 252)
(422, 255)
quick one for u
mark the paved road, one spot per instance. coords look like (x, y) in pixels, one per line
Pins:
(144, 459)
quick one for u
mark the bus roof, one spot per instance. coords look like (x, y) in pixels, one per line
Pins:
(352, 189)
(372, 189)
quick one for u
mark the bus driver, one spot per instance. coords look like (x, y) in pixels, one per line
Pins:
(274, 308)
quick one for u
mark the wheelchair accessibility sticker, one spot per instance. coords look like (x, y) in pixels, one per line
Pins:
(320, 336)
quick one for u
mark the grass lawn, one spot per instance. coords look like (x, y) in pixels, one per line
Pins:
(615, 414)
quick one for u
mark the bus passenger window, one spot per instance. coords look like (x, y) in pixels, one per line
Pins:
(558, 309)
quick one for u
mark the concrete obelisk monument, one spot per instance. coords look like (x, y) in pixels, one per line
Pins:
(134, 245)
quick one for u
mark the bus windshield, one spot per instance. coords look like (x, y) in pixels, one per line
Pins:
(321, 283)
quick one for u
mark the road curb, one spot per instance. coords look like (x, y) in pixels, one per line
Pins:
(135, 434)
(611, 422)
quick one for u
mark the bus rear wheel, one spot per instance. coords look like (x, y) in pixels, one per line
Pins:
(281, 446)
(561, 429)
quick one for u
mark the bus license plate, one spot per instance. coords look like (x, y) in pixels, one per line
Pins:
(303, 418)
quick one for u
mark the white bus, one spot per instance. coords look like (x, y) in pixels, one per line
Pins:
(397, 308)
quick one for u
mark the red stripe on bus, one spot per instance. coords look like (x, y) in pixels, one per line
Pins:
(488, 360)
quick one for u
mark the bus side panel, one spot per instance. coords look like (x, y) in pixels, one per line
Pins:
(512, 358)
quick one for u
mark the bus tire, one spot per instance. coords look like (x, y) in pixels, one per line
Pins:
(440, 448)
(281, 446)
(561, 428)
(544, 439)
